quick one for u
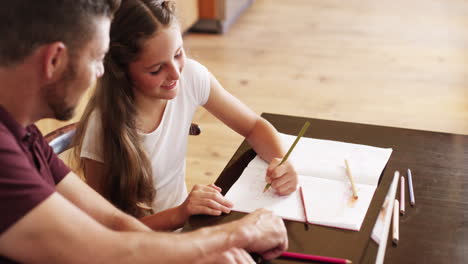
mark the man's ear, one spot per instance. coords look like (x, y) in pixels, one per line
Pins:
(55, 60)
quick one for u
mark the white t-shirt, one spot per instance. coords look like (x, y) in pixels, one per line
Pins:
(167, 145)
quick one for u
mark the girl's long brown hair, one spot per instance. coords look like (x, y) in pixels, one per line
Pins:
(128, 180)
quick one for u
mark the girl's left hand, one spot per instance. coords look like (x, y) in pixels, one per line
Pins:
(283, 178)
(205, 199)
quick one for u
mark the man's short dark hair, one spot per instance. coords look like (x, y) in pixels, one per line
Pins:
(27, 24)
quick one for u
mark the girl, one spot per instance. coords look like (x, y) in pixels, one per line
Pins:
(132, 137)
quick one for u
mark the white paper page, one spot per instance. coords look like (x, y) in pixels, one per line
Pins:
(325, 159)
(331, 203)
(320, 164)
(247, 195)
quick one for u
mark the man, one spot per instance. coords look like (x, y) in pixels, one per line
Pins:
(50, 52)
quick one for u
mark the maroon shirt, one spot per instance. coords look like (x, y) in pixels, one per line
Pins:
(29, 171)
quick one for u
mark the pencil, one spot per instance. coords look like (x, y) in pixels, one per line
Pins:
(385, 204)
(402, 195)
(395, 223)
(303, 204)
(315, 258)
(350, 176)
(410, 188)
(301, 133)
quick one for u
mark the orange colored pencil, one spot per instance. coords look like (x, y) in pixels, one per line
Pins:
(303, 204)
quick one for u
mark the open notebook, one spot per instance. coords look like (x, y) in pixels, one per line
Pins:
(322, 175)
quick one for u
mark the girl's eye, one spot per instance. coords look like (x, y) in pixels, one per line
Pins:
(156, 71)
(178, 54)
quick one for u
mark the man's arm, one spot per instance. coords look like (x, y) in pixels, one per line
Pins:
(56, 231)
(93, 204)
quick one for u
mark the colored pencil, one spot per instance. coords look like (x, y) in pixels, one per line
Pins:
(396, 223)
(303, 204)
(410, 188)
(351, 179)
(315, 258)
(402, 195)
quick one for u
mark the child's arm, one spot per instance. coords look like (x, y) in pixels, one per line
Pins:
(261, 135)
(201, 200)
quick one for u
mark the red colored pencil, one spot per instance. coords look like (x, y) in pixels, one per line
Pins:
(315, 258)
(303, 204)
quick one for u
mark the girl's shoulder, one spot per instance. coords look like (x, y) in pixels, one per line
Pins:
(95, 116)
(195, 80)
(94, 124)
(194, 68)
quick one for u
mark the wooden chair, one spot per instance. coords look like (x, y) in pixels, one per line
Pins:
(61, 139)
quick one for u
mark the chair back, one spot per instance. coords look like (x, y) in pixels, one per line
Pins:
(61, 139)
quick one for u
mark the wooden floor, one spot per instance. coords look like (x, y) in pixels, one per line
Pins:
(393, 63)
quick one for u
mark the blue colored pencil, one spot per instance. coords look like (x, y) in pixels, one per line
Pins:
(410, 188)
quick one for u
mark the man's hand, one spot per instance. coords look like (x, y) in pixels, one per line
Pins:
(261, 232)
(231, 256)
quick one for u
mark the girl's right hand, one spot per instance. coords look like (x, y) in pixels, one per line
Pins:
(205, 199)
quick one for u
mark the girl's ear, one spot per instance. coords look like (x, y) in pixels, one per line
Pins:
(54, 61)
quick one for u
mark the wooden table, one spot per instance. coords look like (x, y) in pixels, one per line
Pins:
(435, 230)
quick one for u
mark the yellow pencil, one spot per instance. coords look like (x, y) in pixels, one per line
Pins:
(301, 133)
(350, 176)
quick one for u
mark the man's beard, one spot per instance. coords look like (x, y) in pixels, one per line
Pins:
(64, 114)
(56, 98)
